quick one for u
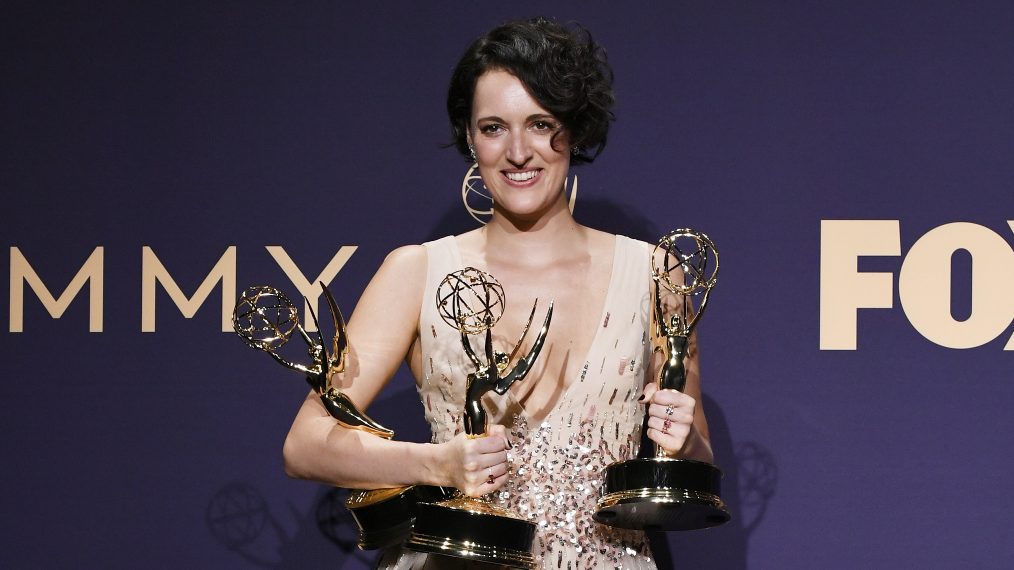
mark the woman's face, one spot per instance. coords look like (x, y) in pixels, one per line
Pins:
(511, 133)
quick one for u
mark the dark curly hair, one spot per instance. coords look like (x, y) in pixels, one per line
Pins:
(563, 69)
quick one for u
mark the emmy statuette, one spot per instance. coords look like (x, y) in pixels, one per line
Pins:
(266, 320)
(463, 527)
(662, 493)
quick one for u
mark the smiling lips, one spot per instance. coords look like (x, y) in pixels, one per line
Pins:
(523, 176)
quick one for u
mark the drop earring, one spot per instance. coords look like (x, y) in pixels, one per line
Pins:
(475, 196)
(478, 200)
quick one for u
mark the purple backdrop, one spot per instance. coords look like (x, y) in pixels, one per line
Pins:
(190, 129)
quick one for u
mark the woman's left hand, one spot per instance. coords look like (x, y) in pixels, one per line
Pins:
(670, 417)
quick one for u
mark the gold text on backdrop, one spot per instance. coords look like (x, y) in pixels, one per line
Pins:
(154, 272)
(924, 281)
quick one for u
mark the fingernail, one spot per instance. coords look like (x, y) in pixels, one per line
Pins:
(641, 399)
(507, 442)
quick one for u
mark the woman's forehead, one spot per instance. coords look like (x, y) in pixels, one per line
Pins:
(500, 93)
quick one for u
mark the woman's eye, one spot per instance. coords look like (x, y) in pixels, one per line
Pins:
(490, 129)
(544, 126)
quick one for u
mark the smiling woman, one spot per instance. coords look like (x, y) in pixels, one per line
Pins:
(520, 148)
(526, 101)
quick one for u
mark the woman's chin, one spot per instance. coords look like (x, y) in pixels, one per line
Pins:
(524, 216)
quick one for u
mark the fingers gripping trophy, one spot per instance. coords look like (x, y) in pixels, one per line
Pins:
(472, 301)
(266, 320)
(662, 493)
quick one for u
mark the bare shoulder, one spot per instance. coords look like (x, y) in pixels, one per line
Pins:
(407, 257)
(599, 242)
(402, 274)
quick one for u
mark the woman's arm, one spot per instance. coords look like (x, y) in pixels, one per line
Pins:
(382, 330)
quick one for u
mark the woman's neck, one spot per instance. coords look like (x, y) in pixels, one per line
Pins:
(549, 237)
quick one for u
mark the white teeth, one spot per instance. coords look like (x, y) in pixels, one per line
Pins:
(521, 176)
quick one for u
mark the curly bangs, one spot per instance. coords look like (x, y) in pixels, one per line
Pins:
(563, 69)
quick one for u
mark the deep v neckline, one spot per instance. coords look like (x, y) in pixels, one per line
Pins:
(575, 378)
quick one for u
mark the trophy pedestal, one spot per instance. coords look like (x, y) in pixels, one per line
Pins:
(662, 494)
(475, 530)
(385, 516)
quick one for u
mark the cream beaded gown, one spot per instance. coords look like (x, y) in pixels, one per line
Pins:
(556, 463)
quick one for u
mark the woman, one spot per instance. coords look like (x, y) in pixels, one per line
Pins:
(526, 101)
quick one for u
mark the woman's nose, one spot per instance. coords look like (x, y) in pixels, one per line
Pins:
(519, 151)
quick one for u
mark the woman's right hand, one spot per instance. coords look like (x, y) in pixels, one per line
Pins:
(477, 466)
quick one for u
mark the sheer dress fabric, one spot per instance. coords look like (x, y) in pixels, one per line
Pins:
(556, 461)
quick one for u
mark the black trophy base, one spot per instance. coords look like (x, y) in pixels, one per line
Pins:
(662, 494)
(473, 530)
(385, 516)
